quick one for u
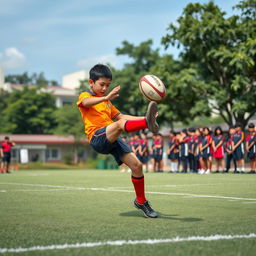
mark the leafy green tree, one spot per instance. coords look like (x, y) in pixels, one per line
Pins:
(34, 79)
(29, 111)
(143, 57)
(4, 96)
(222, 53)
(68, 120)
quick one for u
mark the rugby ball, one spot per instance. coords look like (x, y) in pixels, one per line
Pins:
(152, 88)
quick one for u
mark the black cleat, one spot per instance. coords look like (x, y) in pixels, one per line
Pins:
(151, 117)
(146, 208)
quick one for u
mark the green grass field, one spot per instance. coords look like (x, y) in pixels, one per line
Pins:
(93, 207)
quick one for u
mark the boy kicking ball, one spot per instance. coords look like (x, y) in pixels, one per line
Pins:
(103, 133)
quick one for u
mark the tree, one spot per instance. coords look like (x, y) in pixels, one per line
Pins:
(222, 53)
(29, 111)
(26, 79)
(143, 57)
(69, 122)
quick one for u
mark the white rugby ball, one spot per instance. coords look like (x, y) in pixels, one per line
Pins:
(152, 88)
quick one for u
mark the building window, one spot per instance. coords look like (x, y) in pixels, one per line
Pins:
(52, 154)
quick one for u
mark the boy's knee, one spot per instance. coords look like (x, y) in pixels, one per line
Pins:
(120, 124)
(137, 168)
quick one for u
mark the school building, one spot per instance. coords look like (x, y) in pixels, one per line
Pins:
(47, 148)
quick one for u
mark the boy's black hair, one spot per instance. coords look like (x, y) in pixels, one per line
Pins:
(185, 131)
(6, 138)
(218, 128)
(99, 71)
(191, 129)
(207, 128)
(251, 125)
(238, 125)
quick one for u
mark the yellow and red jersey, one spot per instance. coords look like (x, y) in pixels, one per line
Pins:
(96, 116)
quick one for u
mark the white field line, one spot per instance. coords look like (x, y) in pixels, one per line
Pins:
(132, 191)
(174, 185)
(128, 242)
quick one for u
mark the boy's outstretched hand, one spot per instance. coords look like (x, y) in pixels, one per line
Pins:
(114, 93)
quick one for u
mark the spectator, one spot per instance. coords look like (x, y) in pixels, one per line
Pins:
(206, 151)
(251, 147)
(143, 151)
(191, 145)
(183, 148)
(229, 151)
(158, 153)
(173, 151)
(238, 147)
(6, 151)
(218, 149)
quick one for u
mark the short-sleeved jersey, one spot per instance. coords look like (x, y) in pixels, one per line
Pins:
(7, 146)
(96, 116)
(251, 139)
(237, 137)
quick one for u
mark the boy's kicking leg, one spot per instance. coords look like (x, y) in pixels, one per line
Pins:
(140, 202)
(114, 130)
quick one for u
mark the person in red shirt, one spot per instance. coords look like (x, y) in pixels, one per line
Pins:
(6, 150)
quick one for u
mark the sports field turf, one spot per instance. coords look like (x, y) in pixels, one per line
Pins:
(90, 212)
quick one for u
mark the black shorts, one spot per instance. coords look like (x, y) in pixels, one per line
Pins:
(251, 155)
(100, 144)
(144, 159)
(239, 152)
(7, 157)
(173, 156)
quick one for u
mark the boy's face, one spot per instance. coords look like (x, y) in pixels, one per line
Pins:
(101, 86)
(232, 131)
(251, 130)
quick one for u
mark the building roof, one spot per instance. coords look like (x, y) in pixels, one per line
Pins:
(41, 139)
(55, 90)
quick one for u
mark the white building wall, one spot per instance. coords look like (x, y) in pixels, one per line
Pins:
(72, 80)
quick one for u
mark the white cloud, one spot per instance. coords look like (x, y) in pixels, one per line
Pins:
(12, 58)
(105, 59)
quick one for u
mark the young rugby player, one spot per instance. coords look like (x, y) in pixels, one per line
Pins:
(98, 113)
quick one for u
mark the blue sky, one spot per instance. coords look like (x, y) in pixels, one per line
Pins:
(63, 36)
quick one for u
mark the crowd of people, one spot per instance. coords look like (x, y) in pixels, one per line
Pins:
(197, 150)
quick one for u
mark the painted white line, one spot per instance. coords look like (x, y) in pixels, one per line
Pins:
(173, 185)
(128, 242)
(38, 190)
(3, 191)
(186, 194)
(248, 202)
(36, 185)
(132, 191)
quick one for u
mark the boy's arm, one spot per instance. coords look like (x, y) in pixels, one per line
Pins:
(88, 102)
(218, 145)
(249, 145)
(239, 142)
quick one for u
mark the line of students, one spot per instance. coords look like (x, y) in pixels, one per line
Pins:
(193, 150)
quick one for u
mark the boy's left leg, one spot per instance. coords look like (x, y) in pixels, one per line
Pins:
(114, 130)
(140, 202)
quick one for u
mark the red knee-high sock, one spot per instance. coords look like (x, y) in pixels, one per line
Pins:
(135, 125)
(138, 184)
